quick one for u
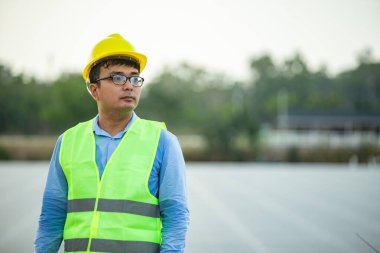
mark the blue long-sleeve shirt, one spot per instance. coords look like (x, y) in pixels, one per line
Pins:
(167, 182)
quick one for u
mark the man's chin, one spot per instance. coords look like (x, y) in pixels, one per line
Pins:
(128, 109)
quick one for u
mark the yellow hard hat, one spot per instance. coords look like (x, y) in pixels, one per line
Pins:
(113, 45)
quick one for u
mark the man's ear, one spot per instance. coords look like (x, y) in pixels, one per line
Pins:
(93, 88)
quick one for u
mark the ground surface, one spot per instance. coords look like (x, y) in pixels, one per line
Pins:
(236, 208)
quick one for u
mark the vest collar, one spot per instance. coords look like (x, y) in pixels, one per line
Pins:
(100, 132)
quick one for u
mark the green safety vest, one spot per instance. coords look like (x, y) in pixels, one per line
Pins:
(116, 213)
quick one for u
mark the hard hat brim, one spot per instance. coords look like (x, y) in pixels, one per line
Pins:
(140, 58)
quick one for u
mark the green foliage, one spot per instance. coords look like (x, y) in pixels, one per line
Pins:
(68, 103)
(193, 101)
(21, 103)
(355, 91)
(29, 107)
(4, 155)
(190, 100)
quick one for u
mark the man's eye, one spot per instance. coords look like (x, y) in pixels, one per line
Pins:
(118, 78)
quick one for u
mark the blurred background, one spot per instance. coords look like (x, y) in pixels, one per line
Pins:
(276, 105)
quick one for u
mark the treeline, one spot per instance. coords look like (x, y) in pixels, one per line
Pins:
(192, 100)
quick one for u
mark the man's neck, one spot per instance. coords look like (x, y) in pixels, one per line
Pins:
(113, 124)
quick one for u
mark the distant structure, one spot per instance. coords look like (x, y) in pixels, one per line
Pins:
(327, 129)
(309, 129)
(330, 121)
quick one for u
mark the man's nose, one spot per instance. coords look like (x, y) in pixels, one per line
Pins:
(128, 85)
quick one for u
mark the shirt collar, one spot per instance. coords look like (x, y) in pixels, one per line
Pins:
(98, 131)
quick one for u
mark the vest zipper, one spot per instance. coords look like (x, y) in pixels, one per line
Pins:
(96, 215)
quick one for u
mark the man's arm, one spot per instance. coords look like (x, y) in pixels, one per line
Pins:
(54, 205)
(173, 196)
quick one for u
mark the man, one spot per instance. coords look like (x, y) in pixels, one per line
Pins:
(116, 183)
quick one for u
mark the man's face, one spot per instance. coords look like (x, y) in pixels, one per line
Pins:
(112, 98)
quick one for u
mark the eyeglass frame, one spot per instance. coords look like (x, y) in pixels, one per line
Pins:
(127, 78)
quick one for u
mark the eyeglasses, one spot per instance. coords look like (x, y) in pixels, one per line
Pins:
(136, 81)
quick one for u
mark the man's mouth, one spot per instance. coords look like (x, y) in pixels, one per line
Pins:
(128, 97)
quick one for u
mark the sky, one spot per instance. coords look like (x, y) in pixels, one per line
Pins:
(43, 38)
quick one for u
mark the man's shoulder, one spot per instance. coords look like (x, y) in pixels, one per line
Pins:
(167, 139)
(154, 123)
(80, 125)
(151, 121)
(166, 134)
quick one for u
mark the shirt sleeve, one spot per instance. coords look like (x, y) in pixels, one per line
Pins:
(173, 195)
(54, 207)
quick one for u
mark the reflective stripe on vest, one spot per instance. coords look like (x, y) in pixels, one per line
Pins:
(114, 246)
(116, 213)
(114, 205)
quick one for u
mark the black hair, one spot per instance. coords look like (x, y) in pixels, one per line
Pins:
(95, 70)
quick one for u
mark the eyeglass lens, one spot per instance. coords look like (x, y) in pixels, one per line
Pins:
(121, 80)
